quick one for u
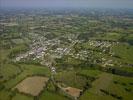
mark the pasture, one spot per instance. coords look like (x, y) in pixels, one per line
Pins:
(109, 87)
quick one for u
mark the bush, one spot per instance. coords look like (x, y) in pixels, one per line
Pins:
(128, 89)
(1, 76)
(115, 82)
(131, 83)
(119, 98)
(104, 91)
(2, 87)
(113, 95)
(124, 84)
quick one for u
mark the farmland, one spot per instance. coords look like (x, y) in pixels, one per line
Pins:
(84, 54)
(27, 86)
(109, 89)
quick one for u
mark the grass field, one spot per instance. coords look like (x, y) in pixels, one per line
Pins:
(51, 96)
(109, 87)
(90, 73)
(70, 78)
(113, 36)
(5, 95)
(19, 96)
(124, 51)
(14, 76)
(29, 70)
(113, 84)
(121, 86)
(8, 71)
(101, 83)
(4, 54)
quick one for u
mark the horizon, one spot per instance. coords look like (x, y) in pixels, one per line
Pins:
(67, 4)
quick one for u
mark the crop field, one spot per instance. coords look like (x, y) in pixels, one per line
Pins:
(32, 85)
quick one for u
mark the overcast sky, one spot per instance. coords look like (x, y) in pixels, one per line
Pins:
(68, 3)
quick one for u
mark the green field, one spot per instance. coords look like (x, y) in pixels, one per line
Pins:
(70, 78)
(29, 70)
(22, 97)
(110, 87)
(124, 51)
(51, 96)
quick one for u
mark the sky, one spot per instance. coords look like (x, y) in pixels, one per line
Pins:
(68, 3)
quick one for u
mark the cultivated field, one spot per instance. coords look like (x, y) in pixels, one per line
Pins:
(32, 85)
